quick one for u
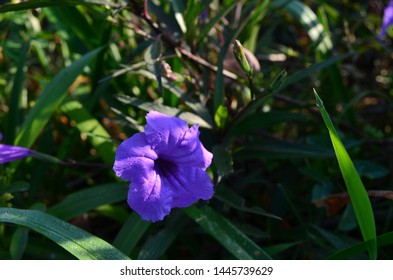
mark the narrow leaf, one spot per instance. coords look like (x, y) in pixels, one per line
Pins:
(309, 20)
(222, 160)
(155, 247)
(88, 199)
(229, 197)
(78, 242)
(298, 76)
(226, 233)
(357, 192)
(130, 233)
(282, 150)
(147, 106)
(351, 251)
(19, 242)
(195, 105)
(50, 99)
(90, 126)
(15, 113)
(179, 10)
(152, 59)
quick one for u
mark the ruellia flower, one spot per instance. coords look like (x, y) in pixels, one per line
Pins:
(166, 166)
(10, 153)
(387, 19)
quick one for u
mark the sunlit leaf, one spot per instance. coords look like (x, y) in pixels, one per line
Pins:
(78, 242)
(357, 192)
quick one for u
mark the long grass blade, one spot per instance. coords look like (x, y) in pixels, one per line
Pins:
(130, 233)
(357, 192)
(351, 251)
(49, 100)
(78, 242)
(88, 199)
(226, 233)
(156, 246)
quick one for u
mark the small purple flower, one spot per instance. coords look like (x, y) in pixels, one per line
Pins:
(387, 19)
(10, 153)
(166, 166)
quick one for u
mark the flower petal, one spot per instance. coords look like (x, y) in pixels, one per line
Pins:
(174, 141)
(387, 19)
(150, 198)
(188, 184)
(164, 132)
(190, 151)
(134, 158)
(10, 153)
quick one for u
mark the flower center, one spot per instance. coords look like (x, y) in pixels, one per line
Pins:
(163, 166)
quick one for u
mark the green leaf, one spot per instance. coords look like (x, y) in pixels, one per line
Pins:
(130, 233)
(222, 160)
(50, 99)
(78, 242)
(221, 116)
(15, 114)
(178, 9)
(231, 198)
(189, 117)
(281, 150)
(117, 213)
(166, 19)
(261, 120)
(19, 242)
(278, 81)
(226, 233)
(309, 20)
(88, 125)
(347, 253)
(195, 105)
(370, 170)
(33, 4)
(348, 220)
(357, 192)
(152, 59)
(75, 25)
(274, 250)
(218, 95)
(212, 22)
(88, 199)
(298, 76)
(155, 247)
(18, 186)
(334, 239)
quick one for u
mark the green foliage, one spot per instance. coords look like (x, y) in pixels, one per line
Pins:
(357, 192)
(78, 77)
(81, 244)
(228, 235)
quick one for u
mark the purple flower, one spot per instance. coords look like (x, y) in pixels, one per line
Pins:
(166, 166)
(387, 19)
(10, 153)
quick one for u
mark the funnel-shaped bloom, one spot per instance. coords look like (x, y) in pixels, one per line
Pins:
(10, 153)
(166, 166)
(387, 19)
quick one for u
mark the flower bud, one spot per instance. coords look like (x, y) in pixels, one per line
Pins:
(241, 58)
